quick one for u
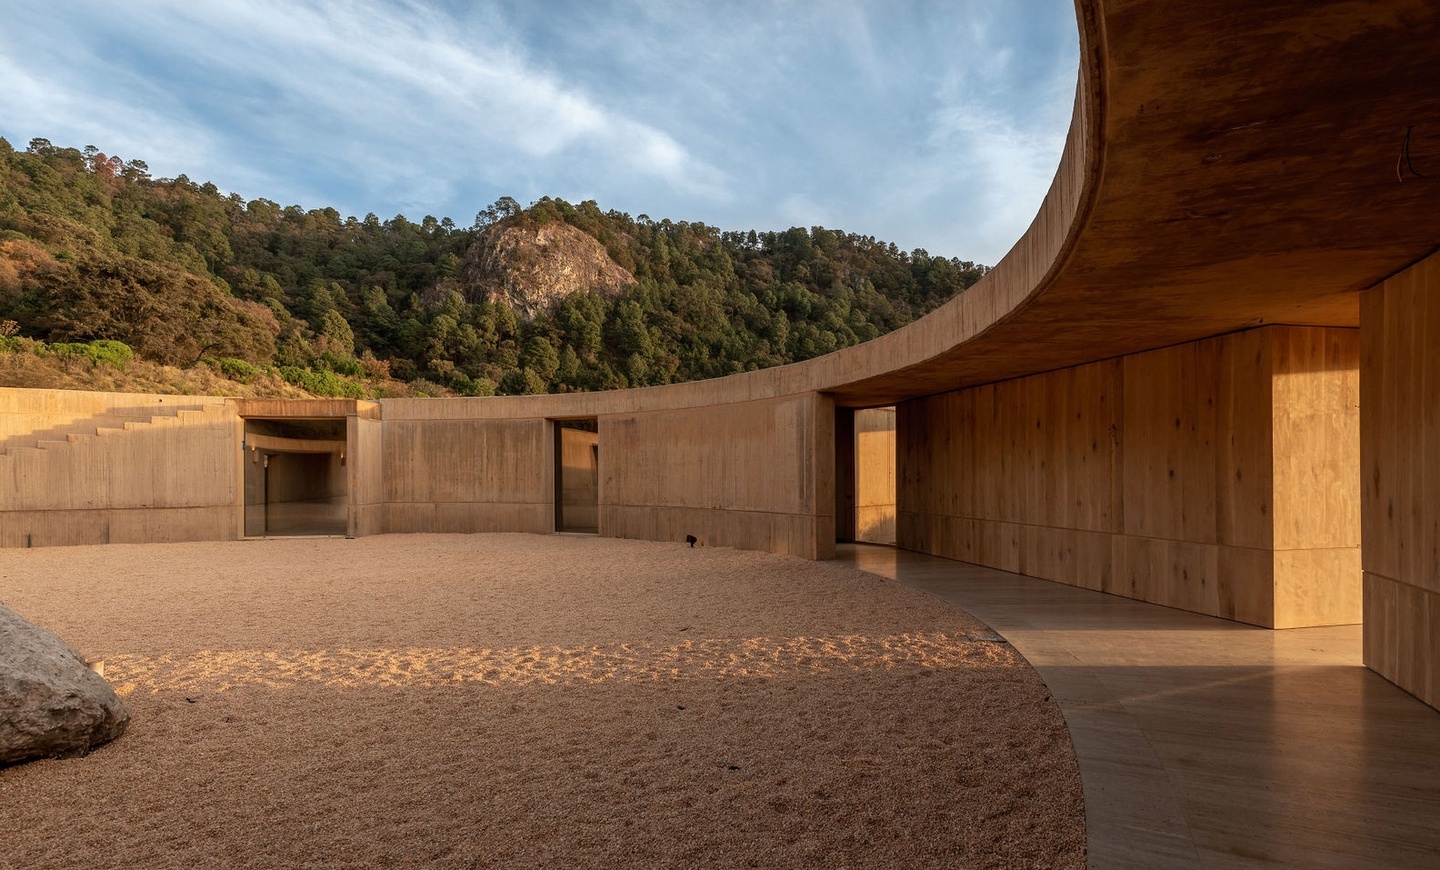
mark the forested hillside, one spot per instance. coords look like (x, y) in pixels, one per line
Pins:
(94, 252)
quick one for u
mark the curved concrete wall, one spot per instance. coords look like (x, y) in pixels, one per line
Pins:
(1217, 476)
(1230, 165)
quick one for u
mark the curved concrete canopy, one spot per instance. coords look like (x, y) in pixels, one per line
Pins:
(1229, 164)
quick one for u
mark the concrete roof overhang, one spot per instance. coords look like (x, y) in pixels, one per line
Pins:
(305, 409)
(1229, 164)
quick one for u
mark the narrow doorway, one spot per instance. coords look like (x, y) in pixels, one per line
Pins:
(875, 475)
(865, 501)
(577, 476)
(295, 478)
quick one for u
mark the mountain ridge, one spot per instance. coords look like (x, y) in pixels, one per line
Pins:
(92, 248)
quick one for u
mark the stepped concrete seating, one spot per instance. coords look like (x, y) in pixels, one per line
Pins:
(103, 477)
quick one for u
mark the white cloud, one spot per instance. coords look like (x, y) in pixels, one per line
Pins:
(1005, 169)
(909, 124)
(33, 105)
(348, 87)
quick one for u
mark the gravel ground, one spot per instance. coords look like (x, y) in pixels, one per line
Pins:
(533, 701)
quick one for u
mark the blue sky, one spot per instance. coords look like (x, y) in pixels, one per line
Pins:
(927, 124)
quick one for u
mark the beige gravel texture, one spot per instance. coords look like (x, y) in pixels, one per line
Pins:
(518, 701)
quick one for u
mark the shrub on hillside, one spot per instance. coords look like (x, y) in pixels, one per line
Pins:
(111, 353)
(237, 369)
(322, 383)
(103, 351)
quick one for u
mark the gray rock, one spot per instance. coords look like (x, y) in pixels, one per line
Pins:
(51, 703)
(532, 269)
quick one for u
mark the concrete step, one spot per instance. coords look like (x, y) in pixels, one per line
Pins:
(114, 424)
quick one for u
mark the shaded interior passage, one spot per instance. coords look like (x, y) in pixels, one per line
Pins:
(875, 475)
(295, 479)
(577, 476)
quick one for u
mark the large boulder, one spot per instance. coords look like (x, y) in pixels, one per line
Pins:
(51, 703)
(532, 268)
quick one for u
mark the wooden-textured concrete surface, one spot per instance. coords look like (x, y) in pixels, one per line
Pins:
(1207, 744)
(366, 462)
(1400, 473)
(112, 468)
(754, 475)
(468, 475)
(1219, 476)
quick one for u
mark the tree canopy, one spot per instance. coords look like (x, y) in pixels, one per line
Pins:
(93, 248)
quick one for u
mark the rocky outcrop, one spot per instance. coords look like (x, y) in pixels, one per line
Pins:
(531, 268)
(51, 703)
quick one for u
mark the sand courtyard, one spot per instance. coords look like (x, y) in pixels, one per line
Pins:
(524, 701)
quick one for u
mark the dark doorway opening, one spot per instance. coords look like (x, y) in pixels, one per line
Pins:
(865, 502)
(295, 477)
(577, 476)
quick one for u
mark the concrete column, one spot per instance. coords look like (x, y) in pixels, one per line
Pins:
(1400, 478)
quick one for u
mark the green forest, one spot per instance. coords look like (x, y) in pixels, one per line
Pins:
(101, 262)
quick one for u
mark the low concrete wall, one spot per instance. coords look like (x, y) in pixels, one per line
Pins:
(468, 475)
(366, 464)
(161, 478)
(747, 474)
(752, 475)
